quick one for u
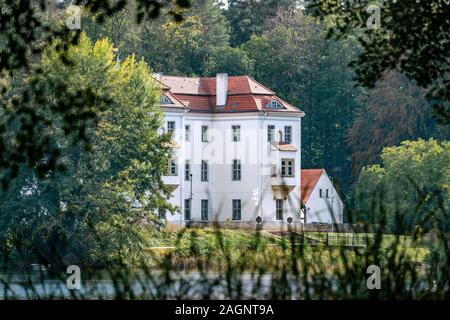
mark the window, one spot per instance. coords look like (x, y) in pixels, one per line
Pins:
(236, 133)
(187, 170)
(165, 100)
(187, 209)
(326, 193)
(187, 128)
(204, 171)
(270, 132)
(236, 209)
(162, 214)
(204, 210)
(205, 133)
(279, 209)
(287, 167)
(172, 169)
(274, 104)
(170, 126)
(236, 170)
(320, 193)
(288, 134)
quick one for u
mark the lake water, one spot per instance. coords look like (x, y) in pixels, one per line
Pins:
(158, 285)
(193, 285)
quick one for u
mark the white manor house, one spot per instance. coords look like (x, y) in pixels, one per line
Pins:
(236, 155)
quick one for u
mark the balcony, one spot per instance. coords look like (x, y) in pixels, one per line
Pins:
(172, 182)
(282, 186)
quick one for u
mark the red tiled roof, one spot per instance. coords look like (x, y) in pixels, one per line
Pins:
(207, 86)
(244, 94)
(309, 179)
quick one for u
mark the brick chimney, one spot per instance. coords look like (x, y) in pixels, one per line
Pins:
(221, 89)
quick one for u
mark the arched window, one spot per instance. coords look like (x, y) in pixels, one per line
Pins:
(165, 100)
(274, 104)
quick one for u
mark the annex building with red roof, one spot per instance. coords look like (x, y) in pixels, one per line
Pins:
(321, 202)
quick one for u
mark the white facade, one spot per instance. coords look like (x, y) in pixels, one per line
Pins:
(225, 168)
(258, 188)
(324, 204)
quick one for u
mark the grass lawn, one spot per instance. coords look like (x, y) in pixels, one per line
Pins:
(417, 249)
(245, 246)
(172, 238)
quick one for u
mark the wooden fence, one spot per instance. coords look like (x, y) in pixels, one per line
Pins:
(348, 239)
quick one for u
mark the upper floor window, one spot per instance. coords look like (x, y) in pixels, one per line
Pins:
(172, 169)
(236, 133)
(205, 133)
(288, 134)
(287, 167)
(187, 129)
(324, 193)
(204, 171)
(170, 126)
(270, 133)
(274, 104)
(236, 170)
(279, 209)
(187, 170)
(165, 100)
(236, 209)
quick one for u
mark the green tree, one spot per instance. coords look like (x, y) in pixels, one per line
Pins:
(417, 47)
(26, 29)
(99, 210)
(394, 111)
(122, 29)
(183, 47)
(411, 184)
(233, 61)
(250, 17)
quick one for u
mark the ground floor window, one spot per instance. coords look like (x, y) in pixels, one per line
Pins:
(279, 209)
(187, 209)
(236, 209)
(204, 210)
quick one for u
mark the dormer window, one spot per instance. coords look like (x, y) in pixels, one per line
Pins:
(274, 104)
(165, 100)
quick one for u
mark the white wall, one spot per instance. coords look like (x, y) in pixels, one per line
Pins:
(322, 209)
(255, 187)
(176, 199)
